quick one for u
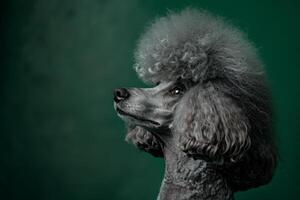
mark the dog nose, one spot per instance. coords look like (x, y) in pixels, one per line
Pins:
(120, 94)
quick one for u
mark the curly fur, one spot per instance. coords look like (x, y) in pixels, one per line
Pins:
(226, 117)
(144, 140)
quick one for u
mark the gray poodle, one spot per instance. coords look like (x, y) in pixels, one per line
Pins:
(208, 113)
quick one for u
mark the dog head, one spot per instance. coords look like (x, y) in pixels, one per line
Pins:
(211, 94)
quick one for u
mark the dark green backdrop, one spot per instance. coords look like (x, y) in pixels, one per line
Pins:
(61, 60)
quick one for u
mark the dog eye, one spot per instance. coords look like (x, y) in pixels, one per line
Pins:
(177, 90)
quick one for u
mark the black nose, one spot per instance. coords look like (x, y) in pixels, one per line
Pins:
(120, 94)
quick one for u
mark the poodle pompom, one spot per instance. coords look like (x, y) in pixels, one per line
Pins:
(194, 45)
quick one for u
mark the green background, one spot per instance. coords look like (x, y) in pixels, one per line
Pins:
(60, 61)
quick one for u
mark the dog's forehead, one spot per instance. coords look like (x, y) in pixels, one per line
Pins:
(163, 84)
(160, 85)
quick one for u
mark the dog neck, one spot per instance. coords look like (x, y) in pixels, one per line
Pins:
(189, 179)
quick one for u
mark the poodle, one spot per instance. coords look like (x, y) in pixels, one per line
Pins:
(208, 112)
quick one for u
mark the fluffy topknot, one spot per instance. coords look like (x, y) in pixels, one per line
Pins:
(195, 45)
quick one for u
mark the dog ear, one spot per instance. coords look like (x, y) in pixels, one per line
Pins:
(144, 140)
(211, 125)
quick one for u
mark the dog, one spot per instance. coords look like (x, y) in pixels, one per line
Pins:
(208, 97)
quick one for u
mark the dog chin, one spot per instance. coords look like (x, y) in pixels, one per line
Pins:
(135, 119)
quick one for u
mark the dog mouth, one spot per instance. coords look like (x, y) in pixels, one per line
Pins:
(139, 118)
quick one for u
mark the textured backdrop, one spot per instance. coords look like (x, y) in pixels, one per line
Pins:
(60, 61)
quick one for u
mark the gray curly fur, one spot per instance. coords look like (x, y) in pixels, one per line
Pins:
(144, 140)
(195, 45)
(226, 117)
